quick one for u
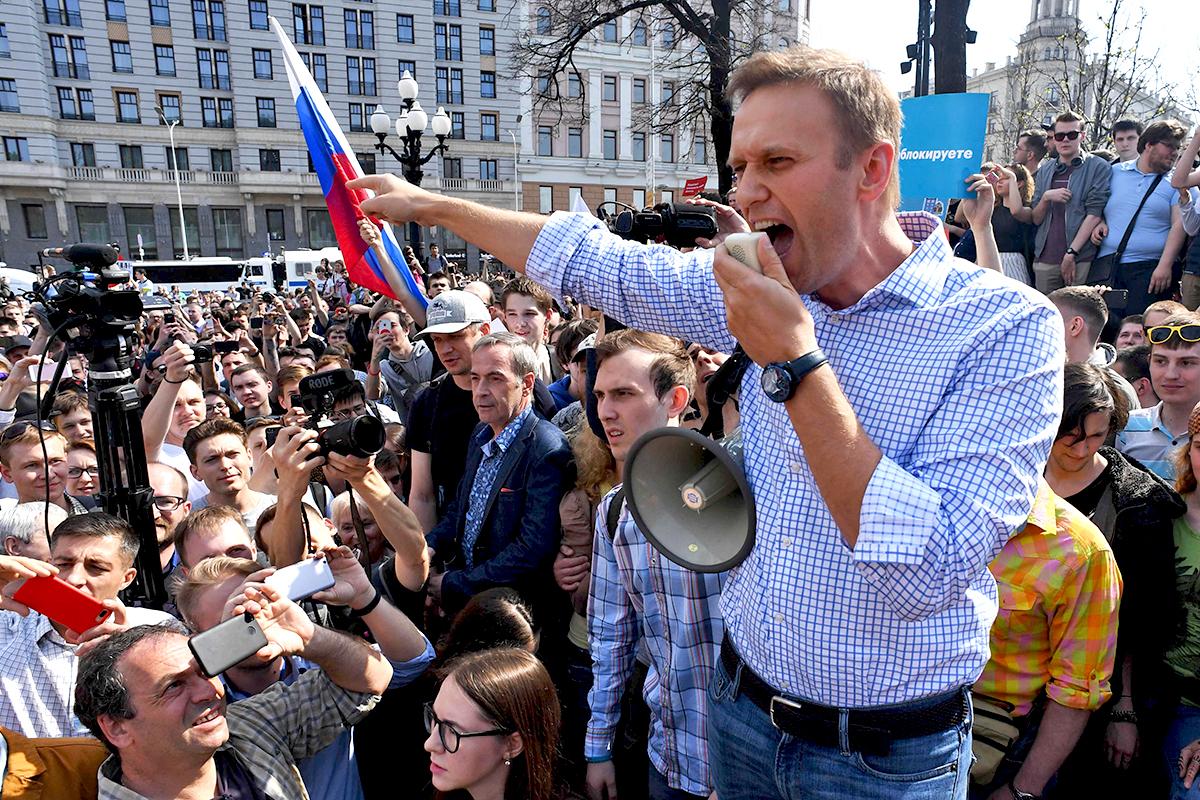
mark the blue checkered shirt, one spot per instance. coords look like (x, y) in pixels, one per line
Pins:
(954, 372)
(635, 594)
(481, 489)
(1148, 440)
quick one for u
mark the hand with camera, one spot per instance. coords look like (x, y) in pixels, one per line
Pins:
(177, 361)
(14, 570)
(18, 380)
(296, 454)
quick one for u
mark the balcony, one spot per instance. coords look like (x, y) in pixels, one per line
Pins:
(86, 116)
(473, 185)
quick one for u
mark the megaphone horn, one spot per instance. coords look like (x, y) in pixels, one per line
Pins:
(690, 497)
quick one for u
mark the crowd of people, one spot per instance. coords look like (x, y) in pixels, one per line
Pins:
(978, 521)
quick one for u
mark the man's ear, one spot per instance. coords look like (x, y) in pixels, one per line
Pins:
(115, 730)
(128, 577)
(677, 401)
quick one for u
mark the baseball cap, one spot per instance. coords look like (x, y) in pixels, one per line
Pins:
(589, 343)
(17, 341)
(453, 310)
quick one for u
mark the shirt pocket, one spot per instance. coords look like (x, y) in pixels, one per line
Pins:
(1020, 611)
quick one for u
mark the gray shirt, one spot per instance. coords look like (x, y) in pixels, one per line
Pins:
(1089, 194)
(405, 377)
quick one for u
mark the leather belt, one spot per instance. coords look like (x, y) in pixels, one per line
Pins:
(870, 730)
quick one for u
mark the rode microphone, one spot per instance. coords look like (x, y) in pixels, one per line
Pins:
(102, 254)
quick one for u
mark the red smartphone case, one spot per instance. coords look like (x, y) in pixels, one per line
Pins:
(62, 602)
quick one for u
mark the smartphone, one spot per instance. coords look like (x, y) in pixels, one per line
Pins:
(256, 322)
(1116, 298)
(268, 297)
(168, 317)
(383, 326)
(271, 435)
(296, 399)
(225, 347)
(228, 644)
(993, 177)
(302, 579)
(62, 602)
(44, 374)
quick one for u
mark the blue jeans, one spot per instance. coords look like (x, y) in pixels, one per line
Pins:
(753, 760)
(1184, 729)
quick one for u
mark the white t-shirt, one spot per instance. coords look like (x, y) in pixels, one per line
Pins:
(174, 456)
(249, 517)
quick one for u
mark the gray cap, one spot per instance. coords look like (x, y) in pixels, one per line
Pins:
(453, 310)
(15, 342)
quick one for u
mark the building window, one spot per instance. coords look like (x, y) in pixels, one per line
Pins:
(217, 113)
(452, 168)
(275, 225)
(131, 156)
(139, 221)
(308, 24)
(360, 29)
(127, 107)
(447, 42)
(610, 145)
(79, 67)
(208, 20)
(268, 160)
(543, 20)
(610, 195)
(487, 5)
(191, 223)
(574, 85)
(66, 103)
(610, 89)
(16, 148)
(487, 169)
(639, 91)
(447, 8)
(367, 162)
(668, 92)
(164, 59)
(356, 118)
(639, 33)
(83, 154)
(320, 228)
(546, 199)
(544, 83)
(114, 10)
(637, 147)
(227, 230)
(122, 58)
(8, 96)
(93, 224)
(574, 193)
(639, 198)
(177, 158)
(258, 15)
(575, 142)
(169, 103)
(316, 66)
(213, 68)
(58, 55)
(63, 12)
(360, 76)
(487, 41)
(449, 85)
(487, 84)
(262, 64)
(266, 112)
(667, 196)
(35, 220)
(699, 154)
(220, 160)
(610, 31)
(666, 148)
(489, 127)
(458, 125)
(404, 29)
(87, 109)
(668, 36)
(545, 140)
(160, 13)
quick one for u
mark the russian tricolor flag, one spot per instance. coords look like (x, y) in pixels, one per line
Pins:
(336, 165)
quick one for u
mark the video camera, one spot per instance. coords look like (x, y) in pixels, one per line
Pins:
(362, 436)
(675, 224)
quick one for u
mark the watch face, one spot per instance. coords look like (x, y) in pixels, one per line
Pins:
(776, 382)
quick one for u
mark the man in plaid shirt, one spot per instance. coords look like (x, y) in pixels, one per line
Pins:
(1056, 635)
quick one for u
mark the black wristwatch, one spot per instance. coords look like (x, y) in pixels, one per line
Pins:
(780, 378)
(1071, 251)
(1019, 795)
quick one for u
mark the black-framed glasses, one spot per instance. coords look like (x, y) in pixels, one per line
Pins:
(1062, 136)
(1159, 334)
(164, 502)
(451, 737)
(348, 413)
(75, 473)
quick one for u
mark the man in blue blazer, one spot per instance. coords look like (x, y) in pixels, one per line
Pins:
(503, 527)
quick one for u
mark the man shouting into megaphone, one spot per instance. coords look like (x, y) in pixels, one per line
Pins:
(899, 411)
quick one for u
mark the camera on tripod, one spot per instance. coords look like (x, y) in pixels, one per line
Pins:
(675, 224)
(362, 436)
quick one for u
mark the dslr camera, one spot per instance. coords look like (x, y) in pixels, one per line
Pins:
(362, 436)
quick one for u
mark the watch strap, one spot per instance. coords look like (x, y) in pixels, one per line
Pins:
(799, 367)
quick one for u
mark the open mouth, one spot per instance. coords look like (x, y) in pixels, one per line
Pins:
(212, 715)
(781, 235)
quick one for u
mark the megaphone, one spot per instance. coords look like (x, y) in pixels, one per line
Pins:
(689, 496)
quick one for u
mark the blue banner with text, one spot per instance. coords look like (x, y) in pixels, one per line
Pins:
(941, 145)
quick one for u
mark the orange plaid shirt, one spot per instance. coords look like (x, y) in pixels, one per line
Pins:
(1059, 592)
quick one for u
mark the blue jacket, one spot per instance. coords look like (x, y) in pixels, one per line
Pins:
(520, 532)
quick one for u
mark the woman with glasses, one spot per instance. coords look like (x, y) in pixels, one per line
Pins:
(217, 404)
(493, 729)
(83, 476)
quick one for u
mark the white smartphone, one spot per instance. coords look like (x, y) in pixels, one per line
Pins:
(45, 374)
(744, 247)
(302, 579)
(384, 326)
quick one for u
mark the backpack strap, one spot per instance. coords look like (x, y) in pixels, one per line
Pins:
(614, 512)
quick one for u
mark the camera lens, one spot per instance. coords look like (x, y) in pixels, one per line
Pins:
(362, 436)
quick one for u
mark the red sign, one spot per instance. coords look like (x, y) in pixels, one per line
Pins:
(694, 186)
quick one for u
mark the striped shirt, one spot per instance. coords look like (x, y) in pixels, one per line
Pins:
(270, 732)
(636, 593)
(1146, 439)
(1057, 629)
(954, 371)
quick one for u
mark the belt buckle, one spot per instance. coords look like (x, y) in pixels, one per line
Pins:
(783, 701)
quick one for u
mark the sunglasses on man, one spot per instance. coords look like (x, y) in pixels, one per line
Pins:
(1159, 334)
(1063, 136)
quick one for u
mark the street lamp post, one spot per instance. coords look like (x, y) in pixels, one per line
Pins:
(175, 166)
(410, 127)
(516, 180)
